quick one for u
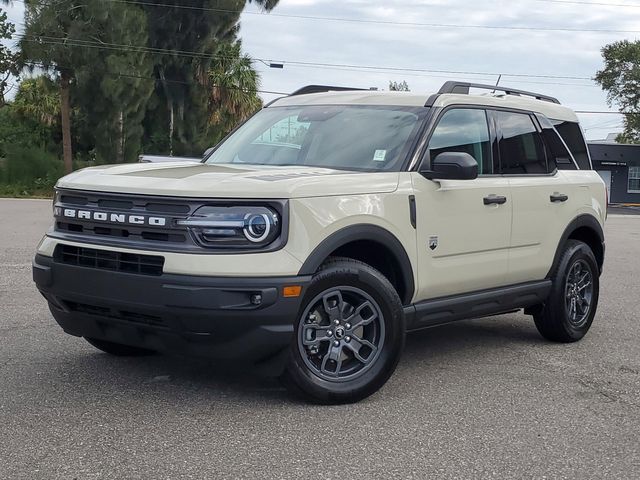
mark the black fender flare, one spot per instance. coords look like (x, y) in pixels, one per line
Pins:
(369, 232)
(584, 220)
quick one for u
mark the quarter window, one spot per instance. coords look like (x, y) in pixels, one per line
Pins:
(634, 180)
(521, 148)
(467, 131)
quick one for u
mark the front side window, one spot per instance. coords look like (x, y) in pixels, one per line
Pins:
(467, 131)
(634, 180)
(351, 137)
(521, 148)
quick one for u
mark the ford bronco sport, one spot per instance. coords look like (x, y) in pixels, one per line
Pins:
(332, 222)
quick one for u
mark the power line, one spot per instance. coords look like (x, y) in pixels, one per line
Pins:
(70, 42)
(598, 4)
(125, 75)
(180, 82)
(375, 22)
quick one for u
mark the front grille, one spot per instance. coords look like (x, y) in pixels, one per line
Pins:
(167, 236)
(109, 260)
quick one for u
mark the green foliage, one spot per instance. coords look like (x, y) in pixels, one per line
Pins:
(620, 78)
(113, 90)
(122, 101)
(233, 91)
(19, 131)
(37, 100)
(402, 86)
(29, 171)
(184, 80)
(7, 57)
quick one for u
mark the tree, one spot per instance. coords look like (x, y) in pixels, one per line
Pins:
(46, 44)
(112, 92)
(402, 86)
(71, 39)
(7, 57)
(233, 85)
(186, 41)
(620, 78)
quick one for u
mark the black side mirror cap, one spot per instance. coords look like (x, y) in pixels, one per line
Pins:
(452, 166)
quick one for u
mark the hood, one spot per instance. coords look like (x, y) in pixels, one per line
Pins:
(228, 181)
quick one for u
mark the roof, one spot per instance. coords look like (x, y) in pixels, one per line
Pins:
(411, 99)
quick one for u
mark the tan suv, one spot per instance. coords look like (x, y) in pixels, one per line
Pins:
(332, 222)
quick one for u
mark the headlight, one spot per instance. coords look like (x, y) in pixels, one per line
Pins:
(234, 227)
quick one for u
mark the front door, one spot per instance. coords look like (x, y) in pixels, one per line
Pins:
(463, 226)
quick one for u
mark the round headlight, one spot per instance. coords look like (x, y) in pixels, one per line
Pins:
(257, 227)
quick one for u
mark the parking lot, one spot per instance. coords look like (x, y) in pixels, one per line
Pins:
(478, 399)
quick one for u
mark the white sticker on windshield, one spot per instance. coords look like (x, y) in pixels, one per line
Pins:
(379, 156)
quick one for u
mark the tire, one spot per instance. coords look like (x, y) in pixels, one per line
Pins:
(568, 313)
(118, 349)
(351, 304)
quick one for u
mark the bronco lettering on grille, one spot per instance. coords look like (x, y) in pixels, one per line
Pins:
(118, 218)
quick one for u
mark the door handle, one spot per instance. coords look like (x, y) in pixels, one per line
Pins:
(495, 200)
(559, 197)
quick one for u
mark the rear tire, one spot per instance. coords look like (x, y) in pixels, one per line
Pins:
(118, 349)
(349, 334)
(568, 313)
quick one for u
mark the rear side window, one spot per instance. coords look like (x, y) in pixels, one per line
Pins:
(557, 153)
(464, 130)
(573, 137)
(521, 147)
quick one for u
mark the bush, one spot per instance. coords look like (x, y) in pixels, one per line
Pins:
(29, 171)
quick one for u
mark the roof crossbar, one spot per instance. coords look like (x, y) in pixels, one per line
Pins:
(463, 88)
(323, 88)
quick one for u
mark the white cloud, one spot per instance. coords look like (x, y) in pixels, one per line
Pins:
(575, 54)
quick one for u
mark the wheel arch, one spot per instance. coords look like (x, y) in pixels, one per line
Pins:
(373, 245)
(585, 228)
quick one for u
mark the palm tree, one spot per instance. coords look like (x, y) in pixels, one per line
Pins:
(233, 84)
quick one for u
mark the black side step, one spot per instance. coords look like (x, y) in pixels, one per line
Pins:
(430, 313)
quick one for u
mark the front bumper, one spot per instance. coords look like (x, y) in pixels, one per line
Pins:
(210, 317)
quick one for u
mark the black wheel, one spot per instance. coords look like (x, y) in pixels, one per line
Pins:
(568, 312)
(118, 349)
(349, 335)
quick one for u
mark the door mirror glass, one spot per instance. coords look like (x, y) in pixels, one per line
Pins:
(452, 166)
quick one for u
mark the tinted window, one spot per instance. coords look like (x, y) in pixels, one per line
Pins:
(463, 130)
(572, 135)
(557, 154)
(634, 180)
(521, 148)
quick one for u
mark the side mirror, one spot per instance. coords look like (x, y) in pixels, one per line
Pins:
(452, 166)
(207, 152)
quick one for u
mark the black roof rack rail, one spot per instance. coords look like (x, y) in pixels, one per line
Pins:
(463, 88)
(323, 88)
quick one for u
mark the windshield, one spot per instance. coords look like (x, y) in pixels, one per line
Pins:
(370, 138)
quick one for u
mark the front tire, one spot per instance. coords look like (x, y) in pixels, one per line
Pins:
(349, 335)
(568, 313)
(119, 350)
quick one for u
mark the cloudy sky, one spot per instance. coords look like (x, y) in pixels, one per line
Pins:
(550, 46)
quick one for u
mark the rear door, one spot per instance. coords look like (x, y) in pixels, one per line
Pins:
(544, 201)
(463, 226)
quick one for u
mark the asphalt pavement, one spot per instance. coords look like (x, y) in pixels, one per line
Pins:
(484, 398)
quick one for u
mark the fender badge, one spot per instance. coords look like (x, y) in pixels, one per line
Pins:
(433, 242)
